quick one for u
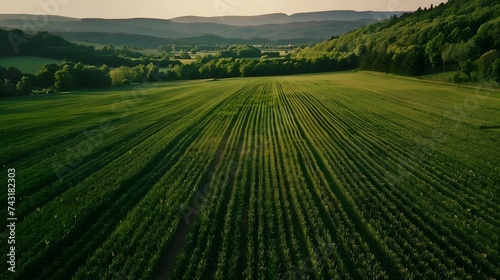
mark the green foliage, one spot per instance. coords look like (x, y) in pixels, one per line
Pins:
(183, 55)
(118, 75)
(486, 61)
(64, 79)
(433, 49)
(247, 70)
(488, 35)
(24, 86)
(408, 61)
(125, 82)
(152, 72)
(14, 75)
(460, 55)
(8, 88)
(495, 70)
(3, 73)
(93, 77)
(76, 71)
(467, 67)
(217, 67)
(43, 44)
(46, 75)
(271, 54)
(240, 51)
(137, 74)
(455, 34)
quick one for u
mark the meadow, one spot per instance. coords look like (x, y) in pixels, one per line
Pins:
(332, 176)
(27, 64)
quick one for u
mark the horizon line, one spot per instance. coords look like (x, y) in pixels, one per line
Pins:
(143, 17)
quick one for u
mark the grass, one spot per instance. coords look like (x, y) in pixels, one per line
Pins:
(344, 175)
(27, 64)
(459, 78)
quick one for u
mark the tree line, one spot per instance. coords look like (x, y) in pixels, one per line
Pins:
(216, 66)
(44, 44)
(70, 76)
(51, 77)
(460, 36)
(219, 67)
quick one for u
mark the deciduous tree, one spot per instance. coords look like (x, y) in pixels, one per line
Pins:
(24, 86)
(64, 80)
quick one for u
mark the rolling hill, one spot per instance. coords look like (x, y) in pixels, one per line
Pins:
(272, 26)
(167, 29)
(27, 64)
(280, 18)
(135, 40)
(460, 35)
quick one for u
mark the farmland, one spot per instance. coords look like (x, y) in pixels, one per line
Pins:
(332, 176)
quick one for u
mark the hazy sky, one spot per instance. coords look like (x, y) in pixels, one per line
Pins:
(173, 8)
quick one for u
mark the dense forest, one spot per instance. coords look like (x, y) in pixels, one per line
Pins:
(458, 36)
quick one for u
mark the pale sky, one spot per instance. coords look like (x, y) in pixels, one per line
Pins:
(173, 8)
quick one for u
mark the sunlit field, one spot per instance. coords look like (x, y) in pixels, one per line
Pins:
(327, 176)
(27, 64)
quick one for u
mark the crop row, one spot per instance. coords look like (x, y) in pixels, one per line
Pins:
(334, 192)
(356, 163)
(315, 177)
(94, 206)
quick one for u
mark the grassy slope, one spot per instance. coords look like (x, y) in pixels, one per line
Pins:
(27, 64)
(438, 125)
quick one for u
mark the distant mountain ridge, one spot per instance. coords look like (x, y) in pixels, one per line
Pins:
(36, 18)
(281, 18)
(273, 18)
(315, 30)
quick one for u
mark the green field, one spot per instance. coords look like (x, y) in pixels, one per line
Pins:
(27, 64)
(331, 176)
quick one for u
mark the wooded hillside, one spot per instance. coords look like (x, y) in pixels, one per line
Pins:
(459, 35)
